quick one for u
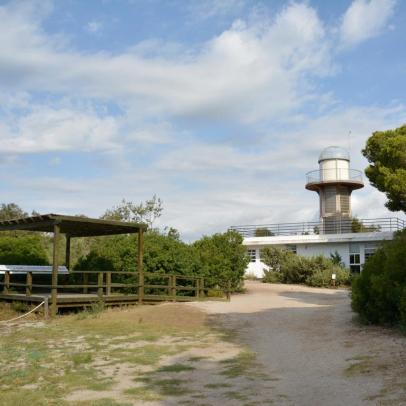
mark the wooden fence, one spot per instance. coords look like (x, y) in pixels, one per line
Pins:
(90, 286)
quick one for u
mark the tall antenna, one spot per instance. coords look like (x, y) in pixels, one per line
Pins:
(349, 142)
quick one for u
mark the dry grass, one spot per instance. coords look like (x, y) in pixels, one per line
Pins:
(121, 357)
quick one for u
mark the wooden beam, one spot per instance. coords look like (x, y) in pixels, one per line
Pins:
(100, 277)
(140, 269)
(6, 282)
(67, 252)
(108, 283)
(173, 287)
(28, 288)
(55, 266)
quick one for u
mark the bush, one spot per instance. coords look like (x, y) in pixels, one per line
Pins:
(379, 292)
(22, 250)
(322, 277)
(220, 258)
(287, 267)
(272, 276)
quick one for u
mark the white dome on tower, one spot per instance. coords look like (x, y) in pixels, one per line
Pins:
(334, 152)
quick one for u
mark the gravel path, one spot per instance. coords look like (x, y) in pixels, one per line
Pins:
(308, 342)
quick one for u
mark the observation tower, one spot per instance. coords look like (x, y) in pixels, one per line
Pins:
(334, 182)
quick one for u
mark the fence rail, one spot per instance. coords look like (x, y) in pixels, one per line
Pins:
(157, 286)
(328, 226)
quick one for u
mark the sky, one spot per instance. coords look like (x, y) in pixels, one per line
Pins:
(219, 107)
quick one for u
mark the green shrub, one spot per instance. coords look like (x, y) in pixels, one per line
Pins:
(220, 258)
(379, 292)
(402, 310)
(22, 250)
(322, 277)
(215, 293)
(271, 276)
(287, 267)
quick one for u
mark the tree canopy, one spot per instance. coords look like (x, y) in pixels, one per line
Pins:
(386, 152)
(146, 212)
(26, 250)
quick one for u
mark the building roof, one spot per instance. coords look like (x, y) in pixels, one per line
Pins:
(73, 226)
(334, 152)
(35, 269)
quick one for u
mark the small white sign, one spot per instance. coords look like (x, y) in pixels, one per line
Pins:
(333, 276)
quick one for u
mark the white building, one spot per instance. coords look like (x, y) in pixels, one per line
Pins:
(354, 240)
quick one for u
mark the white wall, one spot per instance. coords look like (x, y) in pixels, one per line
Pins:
(309, 250)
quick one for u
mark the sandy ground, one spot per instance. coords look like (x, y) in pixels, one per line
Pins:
(309, 341)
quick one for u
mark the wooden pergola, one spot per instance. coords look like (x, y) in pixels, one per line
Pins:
(74, 226)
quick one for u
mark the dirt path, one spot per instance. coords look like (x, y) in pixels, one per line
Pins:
(308, 342)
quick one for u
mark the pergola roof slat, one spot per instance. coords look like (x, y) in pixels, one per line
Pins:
(72, 225)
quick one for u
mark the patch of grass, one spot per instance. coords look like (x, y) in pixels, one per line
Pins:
(176, 368)
(362, 365)
(235, 395)
(143, 394)
(22, 397)
(217, 385)
(197, 359)
(20, 307)
(102, 402)
(146, 355)
(240, 365)
(69, 353)
(172, 387)
(81, 358)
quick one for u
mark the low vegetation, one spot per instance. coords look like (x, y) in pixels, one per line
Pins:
(26, 249)
(287, 267)
(124, 357)
(379, 292)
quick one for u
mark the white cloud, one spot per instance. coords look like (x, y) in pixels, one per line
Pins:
(46, 129)
(94, 27)
(204, 9)
(247, 73)
(365, 19)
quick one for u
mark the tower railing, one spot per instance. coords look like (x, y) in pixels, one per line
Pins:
(334, 174)
(328, 226)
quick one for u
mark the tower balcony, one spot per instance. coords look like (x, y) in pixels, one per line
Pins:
(334, 176)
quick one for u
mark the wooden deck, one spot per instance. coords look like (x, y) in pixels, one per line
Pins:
(156, 288)
(77, 300)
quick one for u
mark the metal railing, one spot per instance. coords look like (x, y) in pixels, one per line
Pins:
(332, 175)
(327, 226)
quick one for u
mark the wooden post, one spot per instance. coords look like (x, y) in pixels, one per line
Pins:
(202, 287)
(6, 282)
(100, 284)
(28, 288)
(85, 279)
(108, 283)
(46, 308)
(197, 291)
(55, 266)
(173, 287)
(140, 270)
(67, 252)
(228, 293)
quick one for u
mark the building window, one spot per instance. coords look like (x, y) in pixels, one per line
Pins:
(291, 248)
(355, 258)
(252, 254)
(369, 251)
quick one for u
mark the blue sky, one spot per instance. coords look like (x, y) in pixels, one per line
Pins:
(219, 107)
